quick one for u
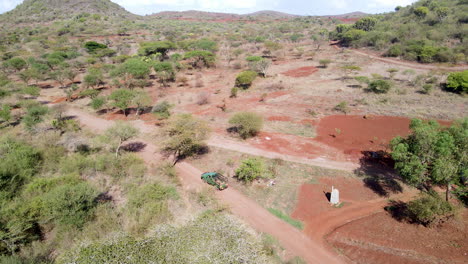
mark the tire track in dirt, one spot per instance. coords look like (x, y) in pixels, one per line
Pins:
(294, 241)
(404, 63)
(216, 141)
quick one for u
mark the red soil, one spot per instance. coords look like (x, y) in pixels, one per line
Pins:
(381, 239)
(301, 72)
(354, 134)
(279, 118)
(59, 100)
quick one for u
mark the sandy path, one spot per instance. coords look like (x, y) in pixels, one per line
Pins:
(406, 63)
(216, 141)
(293, 240)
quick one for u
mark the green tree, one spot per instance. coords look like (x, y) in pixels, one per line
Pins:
(247, 124)
(34, 115)
(5, 113)
(433, 155)
(200, 58)
(258, 64)
(165, 72)
(186, 136)
(250, 169)
(122, 98)
(421, 11)
(142, 100)
(119, 133)
(245, 79)
(93, 46)
(16, 64)
(70, 205)
(152, 48)
(458, 82)
(379, 86)
(94, 78)
(366, 23)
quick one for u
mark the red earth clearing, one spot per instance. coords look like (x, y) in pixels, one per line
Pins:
(355, 134)
(301, 72)
(381, 239)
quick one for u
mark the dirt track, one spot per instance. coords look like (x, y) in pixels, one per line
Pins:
(405, 63)
(293, 240)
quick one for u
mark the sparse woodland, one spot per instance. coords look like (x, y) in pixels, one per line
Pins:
(70, 193)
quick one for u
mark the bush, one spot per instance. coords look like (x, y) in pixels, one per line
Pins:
(211, 238)
(93, 46)
(458, 82)
(247, 124)
(151, 48)
(342, 107)
(429, 209)
(137, 68)
(200, 58)
(394, 51)
(161, 110)
(16, 64)
(250, 169)
(34, 115)
(19, 162)
(98, 102)
(379, 86)
(244, 79)
(70, 205)
(324, 63)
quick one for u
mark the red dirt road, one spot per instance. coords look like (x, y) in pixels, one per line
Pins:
(293, 240)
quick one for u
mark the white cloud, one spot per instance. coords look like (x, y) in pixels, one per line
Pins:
(9, 4)
(339, 4)
(391, 3)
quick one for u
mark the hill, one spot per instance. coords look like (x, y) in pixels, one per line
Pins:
(217, 16)
(426, 31)
(48, 10)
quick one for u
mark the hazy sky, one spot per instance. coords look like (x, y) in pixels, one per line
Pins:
(299, 7)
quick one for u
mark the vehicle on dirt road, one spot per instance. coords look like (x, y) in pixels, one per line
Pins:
(215, 179)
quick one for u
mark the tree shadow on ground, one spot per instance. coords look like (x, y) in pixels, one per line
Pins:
(134, 146)
(398, 210)
(327, 195)
(378, 174)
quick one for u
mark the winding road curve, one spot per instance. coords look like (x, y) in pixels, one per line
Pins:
(293, 240)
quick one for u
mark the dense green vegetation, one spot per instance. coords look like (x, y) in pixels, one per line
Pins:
(430, 156)
(426, 31)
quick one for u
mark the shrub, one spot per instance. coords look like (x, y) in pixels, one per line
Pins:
(34, 115)
(70, 205)
(244, 79)
(234, 91)
(342, 107)
(93, 46)
(429, 209)
(98, 102)
(137, 68)
(379, 86)
(151, 48)
(200, 58)
(19, 163)
(458, 82)
(213, 238)
(122, 99)
(250, 169)
(394, 51)
(31, 90)
(162, 110)
(247, 124)
(324, 63)
(16, 64)
(421, 11)
(186, 136)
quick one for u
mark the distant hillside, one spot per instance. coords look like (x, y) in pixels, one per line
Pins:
(214, 16)
(47, 10)
(357, 14)
(426, 31)
(270, 15)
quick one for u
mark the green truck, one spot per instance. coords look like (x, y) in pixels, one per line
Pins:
(215, 179)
